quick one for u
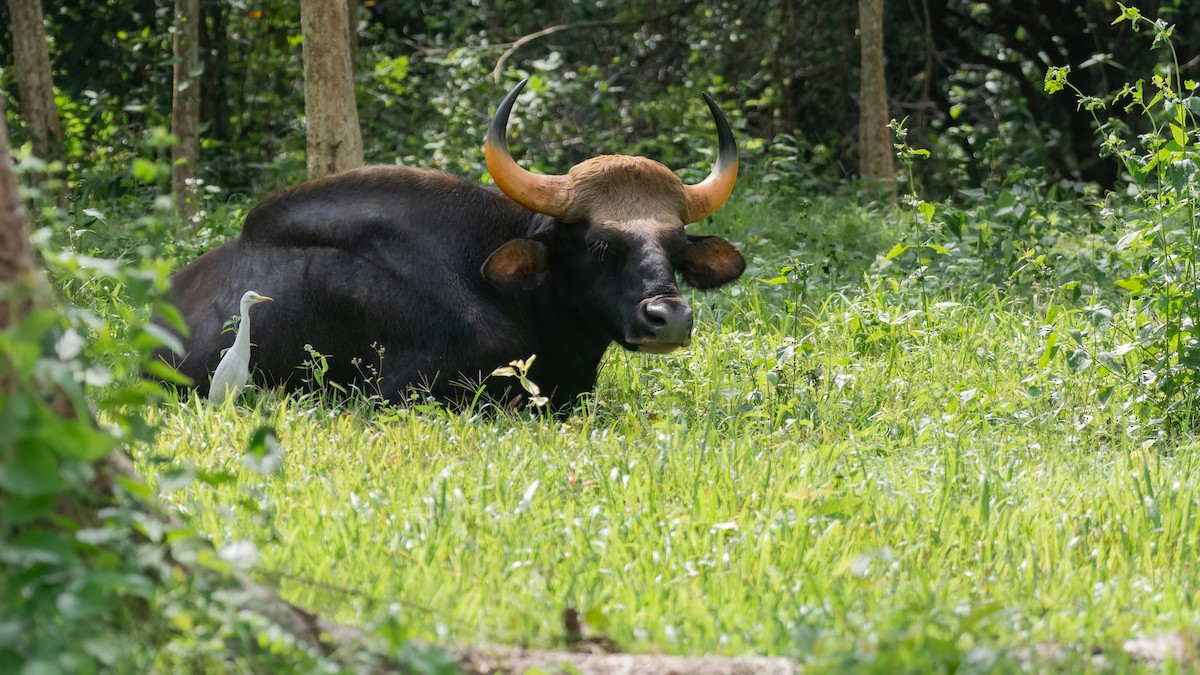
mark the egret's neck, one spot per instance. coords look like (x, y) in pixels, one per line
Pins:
(243, 334)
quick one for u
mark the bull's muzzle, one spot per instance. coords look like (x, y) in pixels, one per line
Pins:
(662, 324)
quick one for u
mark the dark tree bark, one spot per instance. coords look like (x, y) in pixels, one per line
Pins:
(352, 31)
(19, 279)
(185, 106)
(214, 55)
(35, 83)
(874, 138)
(334, 141)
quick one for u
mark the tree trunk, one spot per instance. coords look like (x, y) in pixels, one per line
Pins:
(214, 57)
(874, 138)
(185, 106)
(18, 278)
(35, 83)
(352, 32)
(334, 141)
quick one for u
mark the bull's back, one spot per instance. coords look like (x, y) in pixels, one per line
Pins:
(386, 206)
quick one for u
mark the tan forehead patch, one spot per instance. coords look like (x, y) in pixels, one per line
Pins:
(627, 192)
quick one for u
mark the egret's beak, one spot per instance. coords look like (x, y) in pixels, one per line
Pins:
(261, 298)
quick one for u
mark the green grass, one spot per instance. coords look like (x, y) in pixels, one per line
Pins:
(855, 467)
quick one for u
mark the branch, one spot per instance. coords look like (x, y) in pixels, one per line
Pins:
(522, 41)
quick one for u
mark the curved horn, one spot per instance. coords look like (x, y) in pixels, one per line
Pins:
(550, 195)
(704, 198)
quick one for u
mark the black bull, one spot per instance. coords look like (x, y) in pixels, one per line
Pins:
(418, 279)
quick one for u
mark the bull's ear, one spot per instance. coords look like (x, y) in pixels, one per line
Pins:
(709, 262)
(519, 263)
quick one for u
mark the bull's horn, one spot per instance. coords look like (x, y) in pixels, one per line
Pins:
(704, 198)
(550, 195)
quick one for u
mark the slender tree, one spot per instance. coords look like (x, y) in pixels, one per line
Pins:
(216, 78)
(35, 84)
(334, 141)
(352, 31)
(20, 278)
(185, 106)
(874, 139)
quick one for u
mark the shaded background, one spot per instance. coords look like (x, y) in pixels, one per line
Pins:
(611, 77)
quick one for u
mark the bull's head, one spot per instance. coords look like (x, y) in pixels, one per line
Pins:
(618, 235)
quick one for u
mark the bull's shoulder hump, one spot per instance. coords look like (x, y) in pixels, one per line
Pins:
(365, 203)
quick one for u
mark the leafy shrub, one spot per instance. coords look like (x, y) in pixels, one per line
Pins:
(93, 578)
(1159, 246)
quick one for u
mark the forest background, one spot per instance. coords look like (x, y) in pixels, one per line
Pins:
(967, 77)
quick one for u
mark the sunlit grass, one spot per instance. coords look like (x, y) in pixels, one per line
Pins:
(859, 473)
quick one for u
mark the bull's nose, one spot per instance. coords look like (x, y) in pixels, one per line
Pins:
(666, 320)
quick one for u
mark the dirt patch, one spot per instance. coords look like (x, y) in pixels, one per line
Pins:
(485, 661)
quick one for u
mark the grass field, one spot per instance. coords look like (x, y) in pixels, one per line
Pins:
(859, 463)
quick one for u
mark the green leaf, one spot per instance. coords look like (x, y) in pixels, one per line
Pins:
(896, 250)
(1132, 284)
(19, 510)
(70, 439)
(263, 454)
(12, 632)
(927, 210)
(32, 547)
(106, 648)
(144, 170)
(979, 614)
(1078, 360)
(1112, 361)
(1128, 238)
(1178, 134)
(35, 325)
(82, 603)
(166, 373)
(1127, 13)
(172, 316)
(21, 354)
(135, 488)
(1049, 350)
(31, 472)
(164, 338)
(1056, 79)
(1180, 175)
(175, 478)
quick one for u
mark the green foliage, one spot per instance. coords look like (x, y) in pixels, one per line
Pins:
(519, 369)
(93, 578)
(1159, 246)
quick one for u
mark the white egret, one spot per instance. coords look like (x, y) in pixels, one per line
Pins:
(234, 369)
